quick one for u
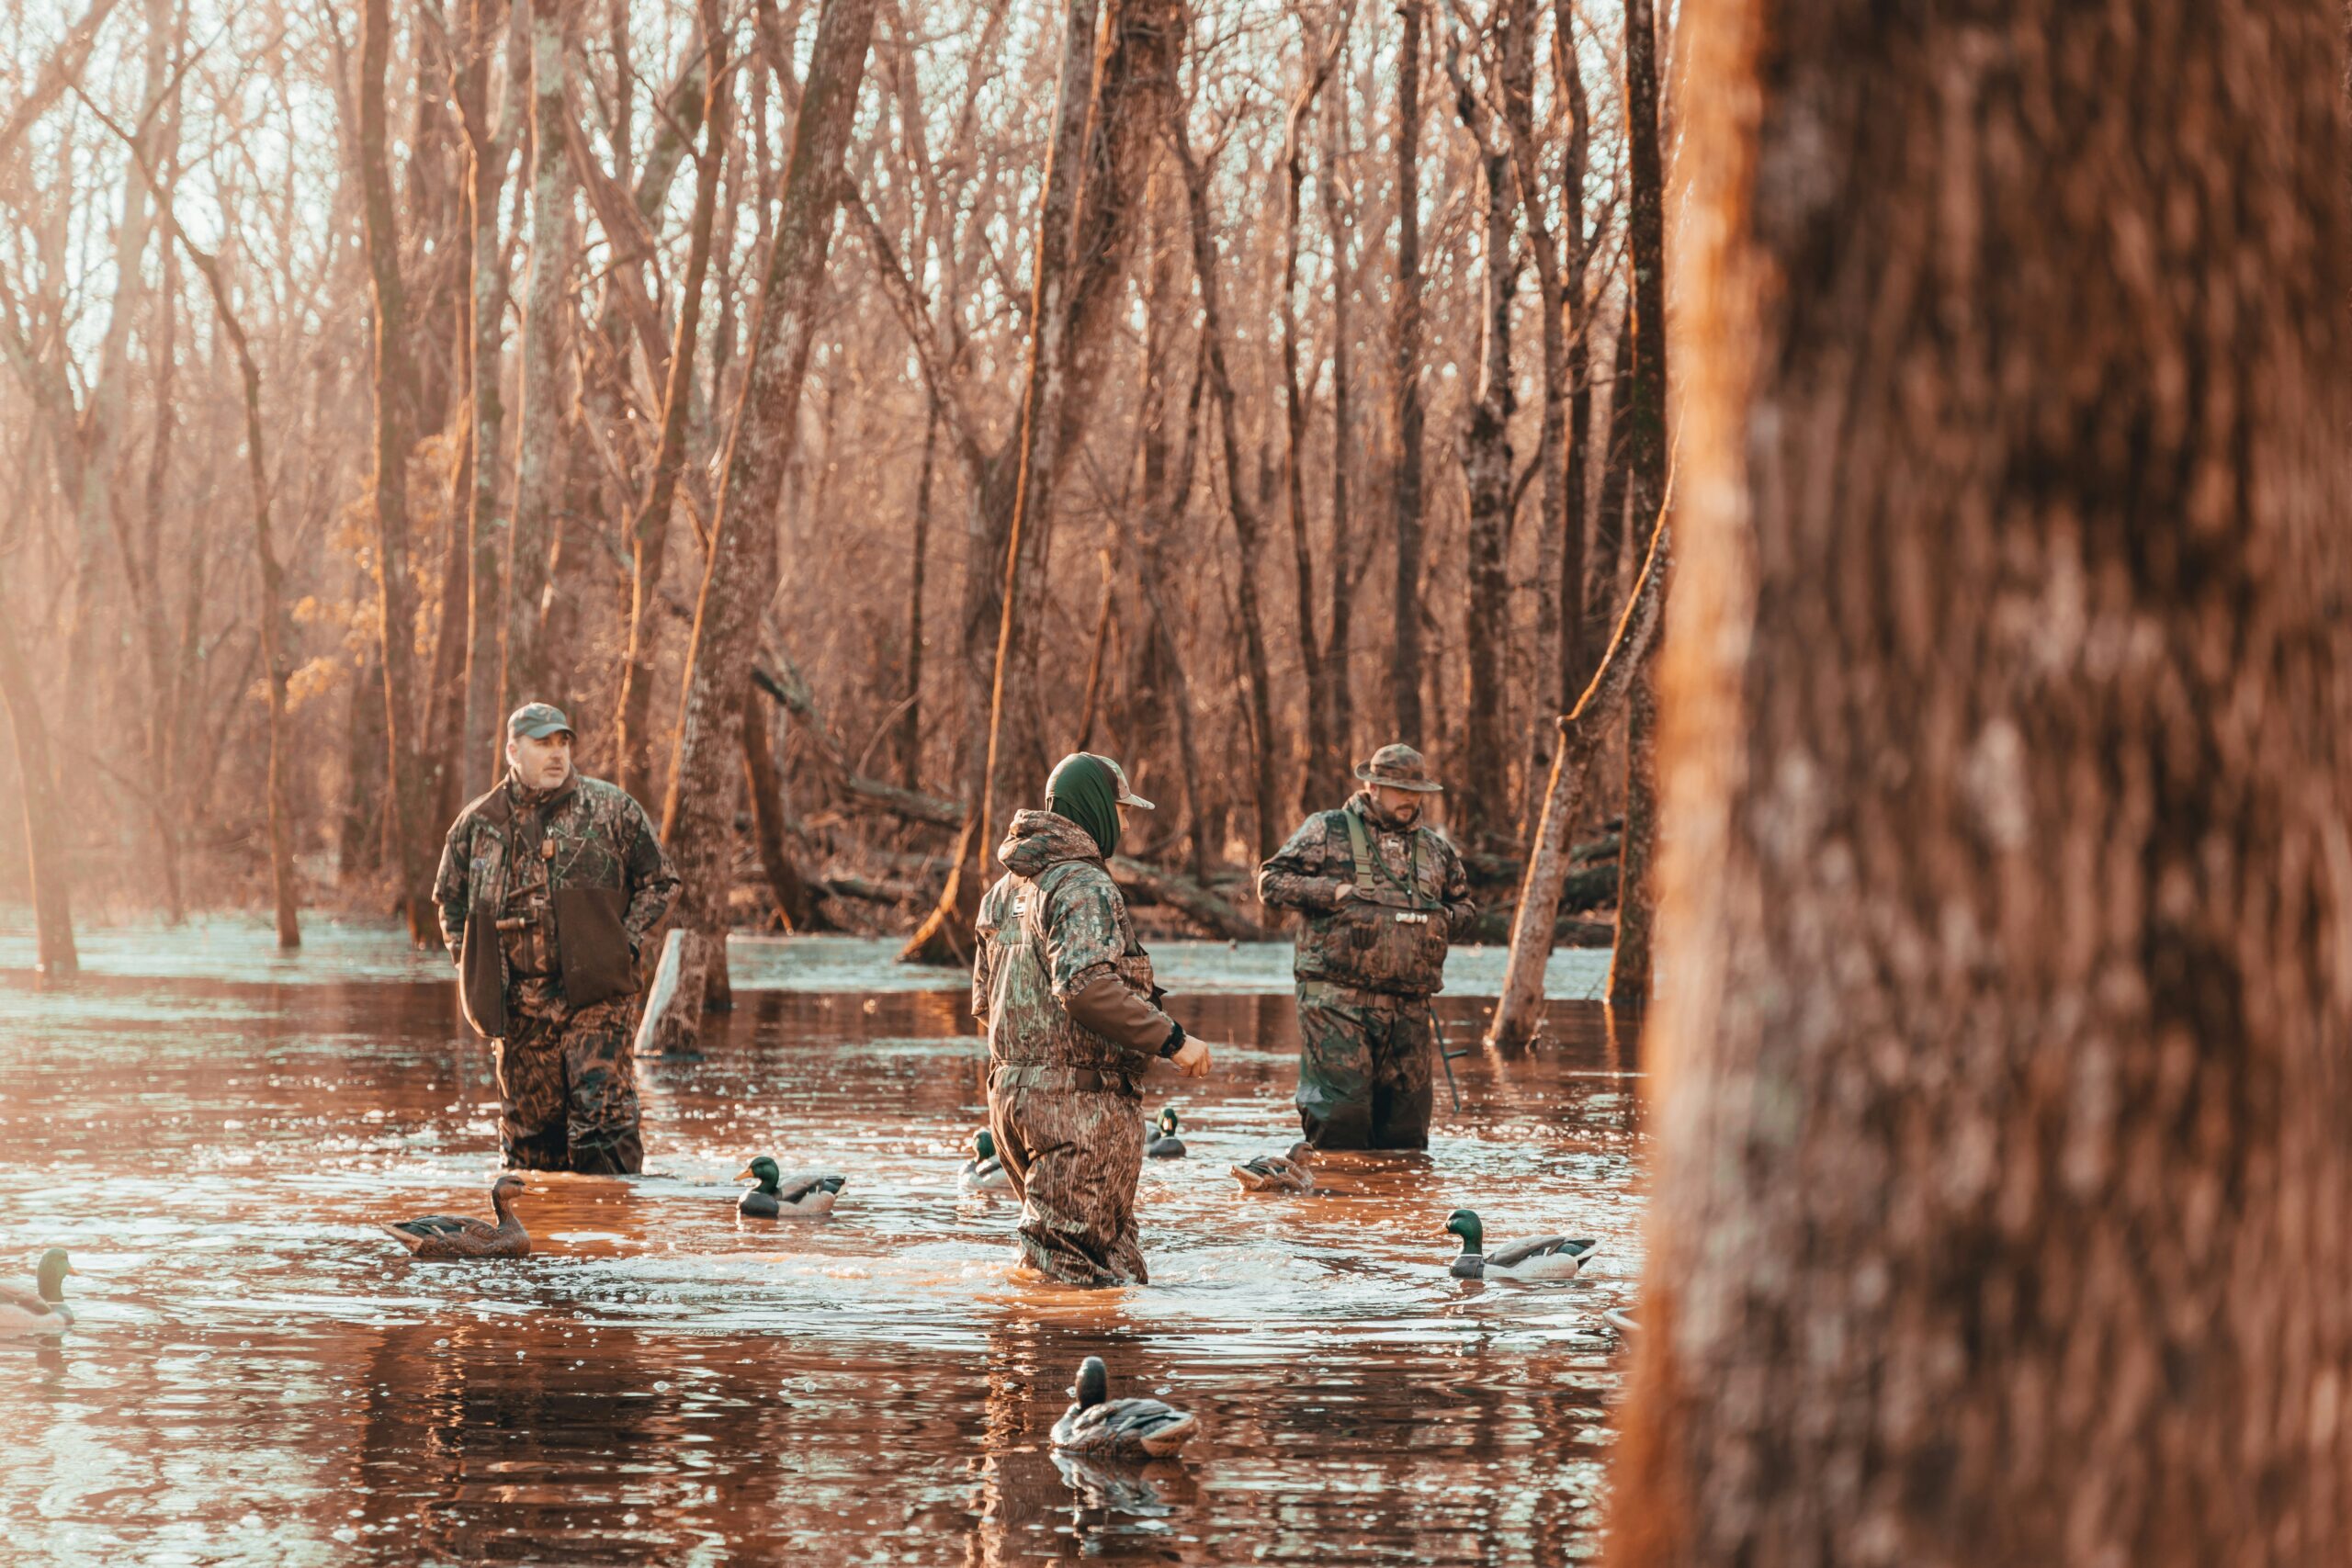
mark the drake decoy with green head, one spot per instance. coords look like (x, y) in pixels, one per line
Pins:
(443, 1237)
(42, 1309)
(1545, 1258)
(1098, 1425)
(1278, 1173)
(984, 1172)
(805, 1197)
(1163, 1143)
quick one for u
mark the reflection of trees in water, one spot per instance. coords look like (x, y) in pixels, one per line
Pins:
(470, 1451)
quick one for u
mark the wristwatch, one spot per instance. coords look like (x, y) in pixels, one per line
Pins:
(1175, 1042)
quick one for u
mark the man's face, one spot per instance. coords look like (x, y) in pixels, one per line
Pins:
(1401, 805)
(540, 764)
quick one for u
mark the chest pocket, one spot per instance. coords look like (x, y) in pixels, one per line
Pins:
(1394, 930)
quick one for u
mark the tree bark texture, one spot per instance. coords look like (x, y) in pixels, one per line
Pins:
(45, 849)
(1321, 763)
(649, 533)
(1478, 806)
(410, 838)
(2001, 1087)
(1405, 488)
(1629, 957)
(548, 314)
(741, 577)
(490, 149)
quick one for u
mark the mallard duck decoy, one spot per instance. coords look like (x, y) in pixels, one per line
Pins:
(984, 1172)
(453, 1235)
(1278, 1173)
(42, 1310)
(1165, 1143)
(805, 1197)
(1545, 1258)
(1118, 1429)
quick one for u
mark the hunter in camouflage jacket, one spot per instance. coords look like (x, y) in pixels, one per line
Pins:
(1065, 992)
(588, 847)
(1412, 896)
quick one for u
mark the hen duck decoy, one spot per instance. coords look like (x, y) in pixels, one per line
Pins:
(805, 1197)
(1164, 1143)
(42, 1310)
(1545, 1258)
(453, 1235)
(1278, 1173)
(984, 1172)
(1118, 1429)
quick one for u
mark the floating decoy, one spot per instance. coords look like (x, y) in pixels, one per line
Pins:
(1277, 1173)
(42, 1309)
(984, 1172)
(805, 1197)
(1165, 1143)
(1118, 1429)
(453, 1235)
(1545, 1258)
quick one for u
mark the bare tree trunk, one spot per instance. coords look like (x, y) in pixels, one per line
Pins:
(649, 535)
(2002, 1069)
(907, 738)
(1629, 958)
(765, 789)
(407, 834)
(488, 151)
(1249, 531)
(1629, 969)
(1518, 1015)
(1404, 490)
(1321, 763)
(273, 629)
(45, 848)
(1605, 567)
(1344, 572)
(540, 445)
(1041, 408)
(742, 574)
(1085, 232)
(1580, 577)
(1478, 806)
(1559, 625)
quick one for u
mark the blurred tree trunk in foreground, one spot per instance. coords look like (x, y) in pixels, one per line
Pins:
(2008, 888)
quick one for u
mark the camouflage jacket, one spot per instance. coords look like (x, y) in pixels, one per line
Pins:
(1052, 925)
(1393, 935)
(608, 885)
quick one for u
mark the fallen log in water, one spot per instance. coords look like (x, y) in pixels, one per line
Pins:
(1497, 869)
(873, 890)
(790, 693)
(1492, 929)
(1220, 916)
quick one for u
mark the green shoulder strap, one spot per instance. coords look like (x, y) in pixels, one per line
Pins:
(1360, 845)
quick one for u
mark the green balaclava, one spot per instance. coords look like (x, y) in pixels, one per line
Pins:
(1083, 789)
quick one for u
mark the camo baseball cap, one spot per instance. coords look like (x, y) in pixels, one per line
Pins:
(537, 720)
(1127, 796)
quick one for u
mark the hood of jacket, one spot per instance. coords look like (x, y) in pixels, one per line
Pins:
(1041, 839)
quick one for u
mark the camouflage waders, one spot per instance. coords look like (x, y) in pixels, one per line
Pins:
(546, 898)
(1366, 965)
(1074, 1154)
(568, 1086)
(1062, 1100)
(1364, 1065)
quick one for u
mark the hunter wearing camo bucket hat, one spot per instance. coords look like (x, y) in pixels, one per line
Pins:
(1382, 893)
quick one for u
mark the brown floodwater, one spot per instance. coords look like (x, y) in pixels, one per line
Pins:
(259, 1375)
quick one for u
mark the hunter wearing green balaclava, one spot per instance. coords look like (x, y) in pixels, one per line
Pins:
(1082, 788)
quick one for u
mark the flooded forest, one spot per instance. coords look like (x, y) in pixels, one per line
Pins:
(1720, 632)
